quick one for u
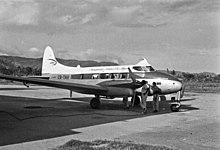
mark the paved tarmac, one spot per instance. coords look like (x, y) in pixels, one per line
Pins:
(41, 118)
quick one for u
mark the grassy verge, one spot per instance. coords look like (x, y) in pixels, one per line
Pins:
(107, 145)
(202, 87)
(196, 87)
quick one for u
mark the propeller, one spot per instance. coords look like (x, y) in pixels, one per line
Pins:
(134, 78)
(182, 90)
(137, 83)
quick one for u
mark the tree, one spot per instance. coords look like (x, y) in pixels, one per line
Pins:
(188, 76)
(168, 70)
(173, 72)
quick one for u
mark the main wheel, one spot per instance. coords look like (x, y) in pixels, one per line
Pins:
(136, 100)
(174, 107)
(95, 103)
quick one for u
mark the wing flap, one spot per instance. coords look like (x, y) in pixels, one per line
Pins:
(80, 88)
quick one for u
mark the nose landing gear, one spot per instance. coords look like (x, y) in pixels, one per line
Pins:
(175, 107)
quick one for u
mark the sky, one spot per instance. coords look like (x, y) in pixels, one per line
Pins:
(180, 35)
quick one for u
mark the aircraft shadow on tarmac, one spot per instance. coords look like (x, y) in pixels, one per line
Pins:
(24, 119)
(22, 89)
(12, 89)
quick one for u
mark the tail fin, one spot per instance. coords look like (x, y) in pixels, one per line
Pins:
(49, 61)
(51, 66)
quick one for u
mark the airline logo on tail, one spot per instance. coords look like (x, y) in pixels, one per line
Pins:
(53, 62)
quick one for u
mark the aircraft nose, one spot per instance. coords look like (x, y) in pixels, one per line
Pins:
(178, 85)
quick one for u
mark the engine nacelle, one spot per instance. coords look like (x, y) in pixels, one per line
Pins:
(119, 92)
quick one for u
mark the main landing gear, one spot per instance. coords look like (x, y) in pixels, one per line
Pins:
(95, 102)
(135, 100)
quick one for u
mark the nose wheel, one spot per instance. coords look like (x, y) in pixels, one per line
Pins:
(175, 107)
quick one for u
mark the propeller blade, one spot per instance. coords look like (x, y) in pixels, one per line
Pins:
(131, 75)
(182, 91)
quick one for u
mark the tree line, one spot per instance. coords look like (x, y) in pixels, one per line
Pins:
(20, 71)
(196, 77)
(11, 69)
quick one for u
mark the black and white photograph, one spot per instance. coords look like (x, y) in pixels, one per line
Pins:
(109, 74)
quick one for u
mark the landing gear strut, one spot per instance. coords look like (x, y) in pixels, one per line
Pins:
(95, 102)
(175, 106)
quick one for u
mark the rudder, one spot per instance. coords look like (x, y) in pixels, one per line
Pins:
(49, 61)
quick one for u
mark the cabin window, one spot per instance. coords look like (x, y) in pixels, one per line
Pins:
(107, 76)
(158, 83)
(82, 76)
(59, 77)
(115, 76)
(103, 76)
(53, 77)
(76, 76)
(65, 76)
(124, 75)
(95, 76)
(112, 76)
(87, 76)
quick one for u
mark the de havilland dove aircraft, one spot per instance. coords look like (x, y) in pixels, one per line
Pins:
(104, 81)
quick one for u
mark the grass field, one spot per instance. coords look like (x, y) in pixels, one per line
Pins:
(196, 87)
(108, 145)
(202, 87)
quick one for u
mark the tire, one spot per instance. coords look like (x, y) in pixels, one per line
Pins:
(174, 107)
(95, 103)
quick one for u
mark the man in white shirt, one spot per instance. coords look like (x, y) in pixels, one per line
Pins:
(144, 93)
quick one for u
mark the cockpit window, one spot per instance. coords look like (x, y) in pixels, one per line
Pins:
(138, 68)
(151, 68)
(143, 68)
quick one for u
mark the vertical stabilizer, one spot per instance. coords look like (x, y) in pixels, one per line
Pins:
(49, 61)
(51, 66)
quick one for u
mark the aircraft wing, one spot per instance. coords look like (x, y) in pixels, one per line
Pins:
(81, 88)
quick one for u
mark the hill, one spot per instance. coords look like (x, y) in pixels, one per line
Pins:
(13, 65)
(32, 66)
(21, 66)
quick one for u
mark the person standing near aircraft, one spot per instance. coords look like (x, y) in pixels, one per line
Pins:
(144, 93)
(155, 97)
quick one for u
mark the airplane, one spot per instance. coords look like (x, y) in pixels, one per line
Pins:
(104, 81)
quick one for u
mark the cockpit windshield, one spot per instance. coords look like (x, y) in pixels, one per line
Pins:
(143, 68)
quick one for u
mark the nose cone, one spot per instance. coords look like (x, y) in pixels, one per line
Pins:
(177, 85)
(173, 83)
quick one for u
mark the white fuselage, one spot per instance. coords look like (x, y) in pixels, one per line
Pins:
(94, 75)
